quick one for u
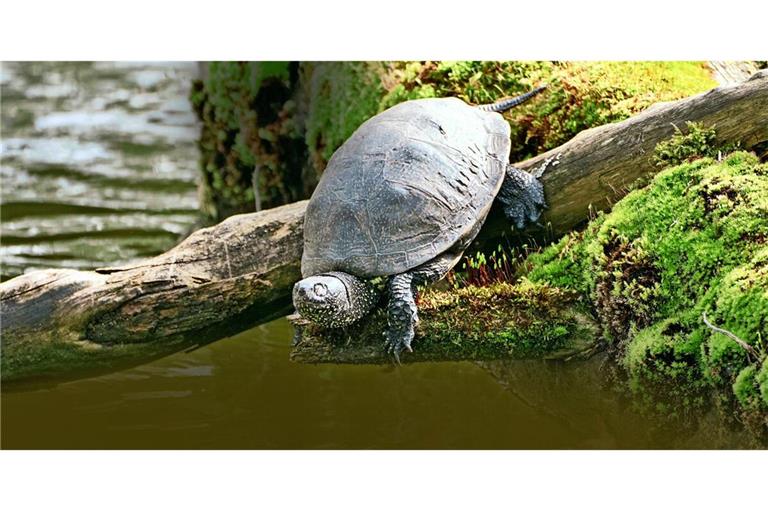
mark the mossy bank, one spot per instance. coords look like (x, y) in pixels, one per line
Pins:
(690, 244)
(269, 128)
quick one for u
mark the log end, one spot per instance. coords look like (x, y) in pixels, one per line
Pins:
(499, 321)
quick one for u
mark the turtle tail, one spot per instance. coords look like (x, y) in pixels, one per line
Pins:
(502, 105)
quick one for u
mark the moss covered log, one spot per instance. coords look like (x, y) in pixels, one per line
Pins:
(269, 128)
(500, 321)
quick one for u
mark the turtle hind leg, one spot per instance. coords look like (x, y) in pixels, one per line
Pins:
(402, 314)
(522, 196)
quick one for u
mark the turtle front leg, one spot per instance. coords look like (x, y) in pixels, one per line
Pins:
(522, 196)
(402, 316)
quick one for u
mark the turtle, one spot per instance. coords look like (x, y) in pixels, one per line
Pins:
(398, 204)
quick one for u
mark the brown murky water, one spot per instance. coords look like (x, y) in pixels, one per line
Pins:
(99, 166)
(244, 392)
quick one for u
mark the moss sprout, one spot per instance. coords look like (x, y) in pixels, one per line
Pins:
(697, 142)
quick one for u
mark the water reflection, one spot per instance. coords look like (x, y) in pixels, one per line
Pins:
(243, 392)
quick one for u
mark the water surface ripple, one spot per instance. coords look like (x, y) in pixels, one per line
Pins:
(99, 162)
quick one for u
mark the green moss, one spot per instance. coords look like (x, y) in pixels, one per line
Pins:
(697, 142)
(342, 96)
(691, 242)
(565, 263)
(762, 381)
(581, 94)
(746, 388)
(664, 369)
(499, 320)
(287, 119)
(749, 388)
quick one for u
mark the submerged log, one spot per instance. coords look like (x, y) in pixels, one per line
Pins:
(498, 321)
(241, 271)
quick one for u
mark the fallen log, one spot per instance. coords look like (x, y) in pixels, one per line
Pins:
(599, 165)
(241, 271)
(220, 279)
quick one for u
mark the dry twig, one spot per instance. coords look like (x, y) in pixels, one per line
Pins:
(743, 344)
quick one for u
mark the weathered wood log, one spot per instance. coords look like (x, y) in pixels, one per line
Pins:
(220, 279)
(599, 165)
(242, 269)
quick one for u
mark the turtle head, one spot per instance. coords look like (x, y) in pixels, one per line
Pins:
(334, 299)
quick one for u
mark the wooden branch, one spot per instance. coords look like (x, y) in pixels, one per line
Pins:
(749, 349)
(242, 269)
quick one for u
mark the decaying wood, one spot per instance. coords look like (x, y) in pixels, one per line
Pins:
(243, 268)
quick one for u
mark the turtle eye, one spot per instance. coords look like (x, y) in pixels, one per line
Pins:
(320, 289)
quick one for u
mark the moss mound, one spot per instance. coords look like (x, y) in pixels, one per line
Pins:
(285, 120)
(691, 243)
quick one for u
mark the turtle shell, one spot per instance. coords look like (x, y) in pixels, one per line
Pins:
(408, 185)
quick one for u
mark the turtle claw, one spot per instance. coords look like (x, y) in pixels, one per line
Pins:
(396, 356)
(522, 196)
(397, 341)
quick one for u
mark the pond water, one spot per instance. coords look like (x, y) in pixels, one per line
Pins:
(99, 162)
(99, 166)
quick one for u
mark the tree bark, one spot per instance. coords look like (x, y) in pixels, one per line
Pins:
(237, 272)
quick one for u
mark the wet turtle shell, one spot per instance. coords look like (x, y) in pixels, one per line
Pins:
(409, 184)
